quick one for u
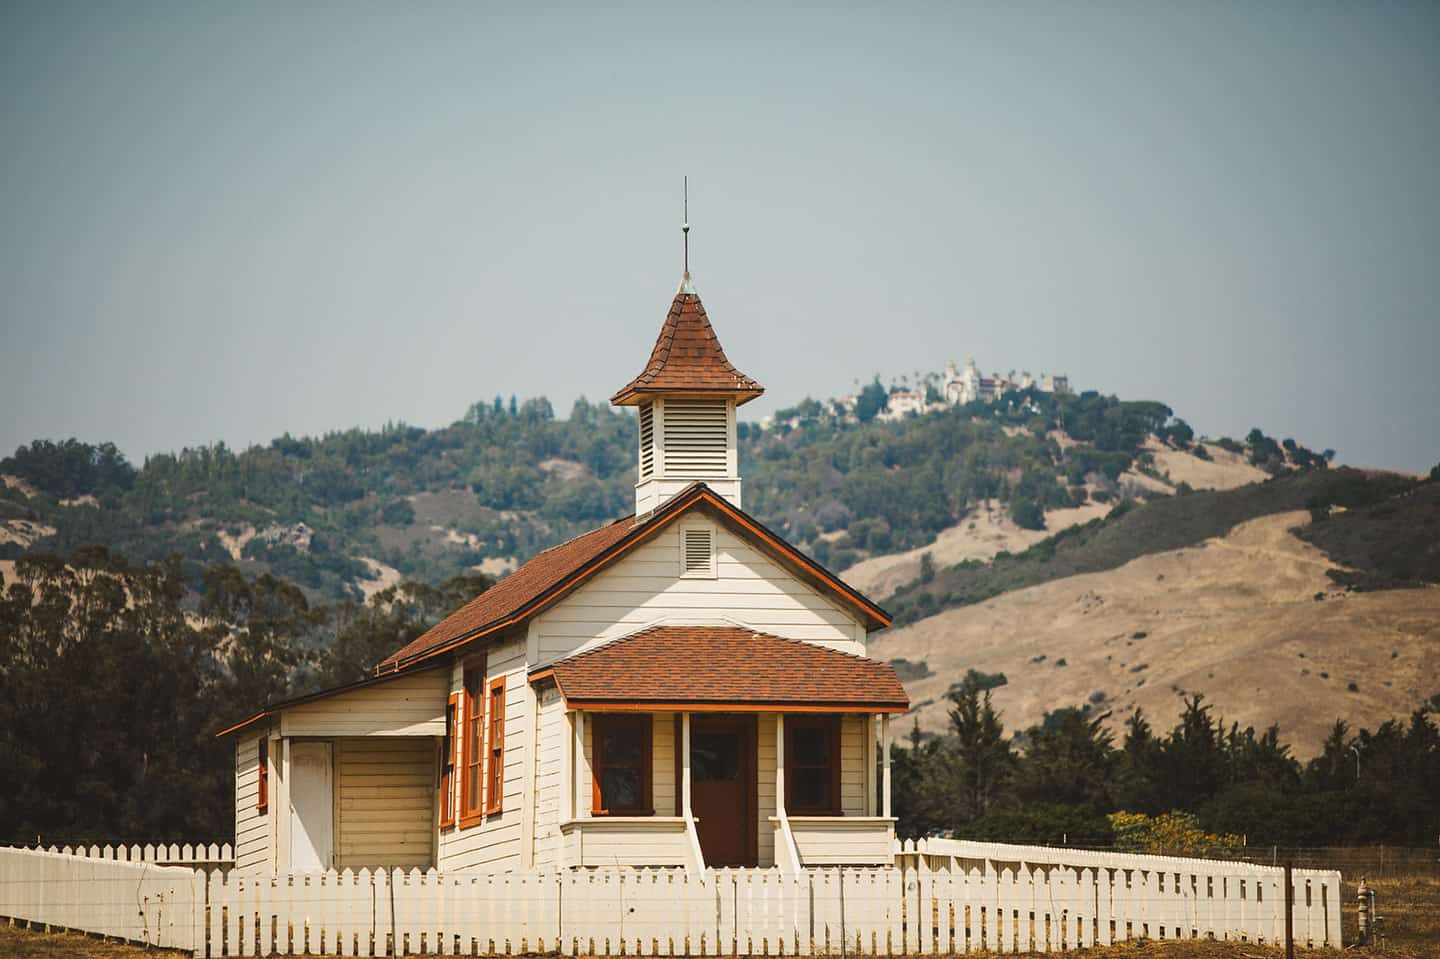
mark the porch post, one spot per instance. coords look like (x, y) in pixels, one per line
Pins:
(685, 765)
(870, 757)
(885, 746)
(582, 807)
(696, 865)
(780, 765)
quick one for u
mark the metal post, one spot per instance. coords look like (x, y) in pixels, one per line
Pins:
(1362, 896)
(1289, 913)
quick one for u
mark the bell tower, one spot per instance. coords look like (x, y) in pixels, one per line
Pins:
(687, 396)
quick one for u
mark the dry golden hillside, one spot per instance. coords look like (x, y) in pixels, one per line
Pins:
(989, 529)
(1235, 618)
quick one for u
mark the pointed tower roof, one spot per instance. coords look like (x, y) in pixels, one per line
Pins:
(688, 359)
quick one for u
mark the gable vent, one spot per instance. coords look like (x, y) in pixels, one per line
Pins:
(699, 551)
(696, 438)
(647, 440)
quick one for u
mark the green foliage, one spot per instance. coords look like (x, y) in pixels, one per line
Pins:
(1199, 787)
(1388, 544)
(70, 469)
(113, 688)
(873, 399)
(1027, 514)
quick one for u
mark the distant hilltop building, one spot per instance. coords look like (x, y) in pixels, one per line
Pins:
(968, 385)
(955, 387)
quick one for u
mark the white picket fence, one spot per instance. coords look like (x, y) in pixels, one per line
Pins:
(941, 897)
(161, 854)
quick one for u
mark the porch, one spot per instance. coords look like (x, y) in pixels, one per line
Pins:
(716, 789)
(706, 746)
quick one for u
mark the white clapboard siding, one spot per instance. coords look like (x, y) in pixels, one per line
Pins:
(385, 795)
(641, 841)
(852, 765)
(646, 586)
(411, 704)
(1007, 899)
(252, 825)
(550, 777)
(765, 788)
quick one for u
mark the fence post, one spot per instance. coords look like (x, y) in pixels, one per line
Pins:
(1289, 912)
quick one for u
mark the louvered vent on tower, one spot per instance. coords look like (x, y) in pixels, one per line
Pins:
(696, 438)
(698, 547)
(647, 440)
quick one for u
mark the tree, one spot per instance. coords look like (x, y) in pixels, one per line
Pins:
(982, 754)
(871, 401)
(1069, 759)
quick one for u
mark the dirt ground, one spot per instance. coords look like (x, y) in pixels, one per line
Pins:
(1409, 911)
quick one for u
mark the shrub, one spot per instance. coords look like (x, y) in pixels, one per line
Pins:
(1169, 834)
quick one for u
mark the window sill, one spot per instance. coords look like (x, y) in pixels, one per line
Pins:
(465, 822)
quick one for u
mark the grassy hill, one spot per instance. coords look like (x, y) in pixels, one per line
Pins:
(351, 512)
(1132, 530)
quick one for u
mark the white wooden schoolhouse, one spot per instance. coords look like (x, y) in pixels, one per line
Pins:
(680, 687)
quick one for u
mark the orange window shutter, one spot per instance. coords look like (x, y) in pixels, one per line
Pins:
(495, 782)
(448, 755)
(262, 799)
(472, 749)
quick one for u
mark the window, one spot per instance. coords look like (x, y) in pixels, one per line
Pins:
(495, 782)
(812, 765)
(472, 744)
(262, 800)
(620, 749)
(447, 762)
(697, 552)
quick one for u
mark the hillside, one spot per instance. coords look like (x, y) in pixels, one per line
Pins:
(1257, 618)
(346, 514)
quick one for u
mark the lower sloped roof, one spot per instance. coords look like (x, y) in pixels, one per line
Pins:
(724, 667)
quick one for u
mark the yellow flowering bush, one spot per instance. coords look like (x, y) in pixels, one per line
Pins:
(1171, 834)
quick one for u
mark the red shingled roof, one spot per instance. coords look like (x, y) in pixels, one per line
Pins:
(542, 573)
(688, 359)
(554, 572)
(725, 666)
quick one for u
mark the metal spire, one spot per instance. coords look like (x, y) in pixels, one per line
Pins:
(685, 229)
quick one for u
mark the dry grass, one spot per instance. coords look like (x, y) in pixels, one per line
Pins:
(1234, 618)
(18, 943)
(1410, 911)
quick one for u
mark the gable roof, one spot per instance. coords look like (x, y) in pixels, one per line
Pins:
(687, 358)
(720, 667)
(557, 571)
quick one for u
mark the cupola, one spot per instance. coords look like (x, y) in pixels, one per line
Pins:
(687, 396)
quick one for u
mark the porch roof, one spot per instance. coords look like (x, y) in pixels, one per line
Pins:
(705, 668)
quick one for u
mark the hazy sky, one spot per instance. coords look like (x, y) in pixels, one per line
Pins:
(223, 221)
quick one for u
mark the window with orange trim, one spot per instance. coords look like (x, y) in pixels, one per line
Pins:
(262, 800)
(447, 761)
(812, 765)
(495, 781)
(621, 756)
(472, 745)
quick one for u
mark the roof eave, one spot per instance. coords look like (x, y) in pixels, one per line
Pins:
(635, 395)
(728, 705)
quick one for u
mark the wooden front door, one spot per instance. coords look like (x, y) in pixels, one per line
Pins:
(722, 789)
